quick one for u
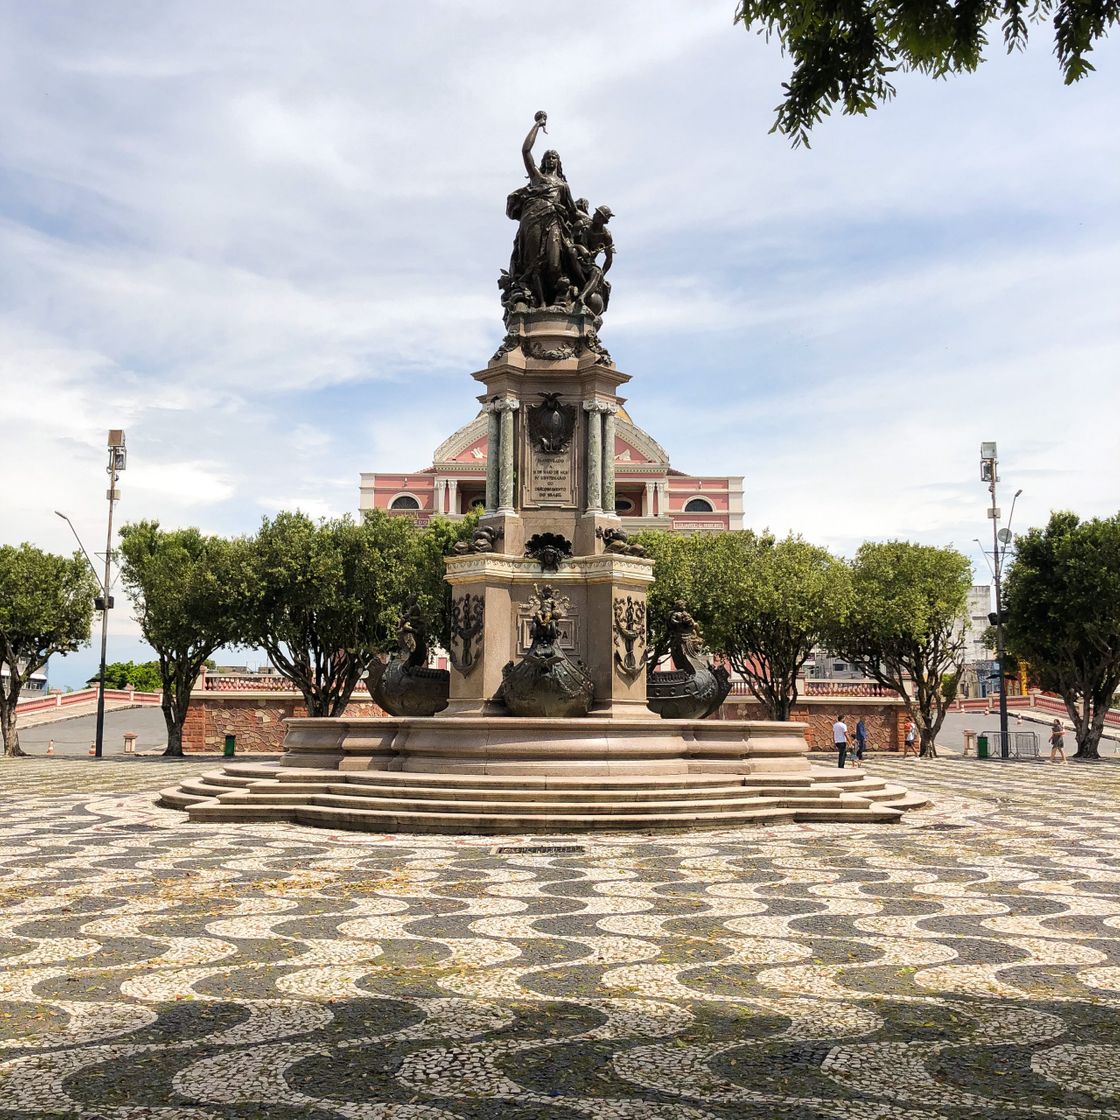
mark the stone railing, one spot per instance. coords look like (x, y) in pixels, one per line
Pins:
(1038, 701)
(825, 688)
(245, 682)
(846, 688)
(86, 696)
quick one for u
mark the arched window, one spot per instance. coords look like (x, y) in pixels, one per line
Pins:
(405, 501)
(698, 505)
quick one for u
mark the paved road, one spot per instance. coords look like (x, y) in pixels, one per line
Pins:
(952, 738)
(73, 736)
(962, 963)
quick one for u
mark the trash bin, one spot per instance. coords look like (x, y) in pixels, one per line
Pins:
(981, 746)
(231, 744)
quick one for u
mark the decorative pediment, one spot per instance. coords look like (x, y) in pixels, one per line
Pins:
(468, 445)
(638, 446)
(461, 446)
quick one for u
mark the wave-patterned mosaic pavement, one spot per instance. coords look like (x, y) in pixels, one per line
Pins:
(962, 963)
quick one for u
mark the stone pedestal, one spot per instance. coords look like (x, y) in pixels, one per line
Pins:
(504, 584)
(551, 397)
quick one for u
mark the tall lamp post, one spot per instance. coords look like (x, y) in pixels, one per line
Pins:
(989, 473)
(104, 602)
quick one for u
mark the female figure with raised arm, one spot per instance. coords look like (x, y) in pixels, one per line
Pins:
(545, 214)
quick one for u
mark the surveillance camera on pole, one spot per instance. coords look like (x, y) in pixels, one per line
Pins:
(118, 457)
(989, 473)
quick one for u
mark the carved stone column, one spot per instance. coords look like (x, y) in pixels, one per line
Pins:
(493, 438)
(505, 465)
(662, 497)
(594, 410)
(452, 495)
(608, 457)
(648, 511)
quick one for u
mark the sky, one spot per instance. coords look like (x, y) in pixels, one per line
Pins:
(264, 238)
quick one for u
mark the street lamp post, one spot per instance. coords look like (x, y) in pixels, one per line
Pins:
(104, 601)
(117, 460)
(989, 473)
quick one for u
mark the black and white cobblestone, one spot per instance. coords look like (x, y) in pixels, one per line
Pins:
(964, 962)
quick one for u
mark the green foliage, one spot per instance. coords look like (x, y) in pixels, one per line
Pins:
(438, 541)
(762, 603)
(766, 603)
(324, 598)
(846, 54)
(676, 566)
(144, 676)
(905, 625)
(186, 589)
(46, 606)
(1062, 594)
(950, 685)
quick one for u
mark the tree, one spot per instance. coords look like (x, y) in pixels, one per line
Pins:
(46, 606)
(185, 586)
(765, 605)
(324, 598)
(438, 541)
(674, 558)
(1062, 595)
(144, 676)
(846, 53)
(905, 626)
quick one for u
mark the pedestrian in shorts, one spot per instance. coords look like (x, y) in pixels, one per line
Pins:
(910, 741)
(1057, 741)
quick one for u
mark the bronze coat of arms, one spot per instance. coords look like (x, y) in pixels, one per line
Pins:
(551, 424)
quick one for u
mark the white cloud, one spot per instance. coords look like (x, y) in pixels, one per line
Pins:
(264, 240)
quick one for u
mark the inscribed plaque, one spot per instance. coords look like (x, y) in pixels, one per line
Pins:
(552, 478)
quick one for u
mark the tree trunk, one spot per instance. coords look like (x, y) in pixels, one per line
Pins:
(314, 704)
(174, 725)
(174, 741)
(8, 728)
(1083, 717)
(1089, 739)
(926, 737)
(923, 718)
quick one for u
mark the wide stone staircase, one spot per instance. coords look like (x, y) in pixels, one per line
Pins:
(397, 801)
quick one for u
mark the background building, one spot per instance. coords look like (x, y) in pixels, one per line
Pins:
(649, 493)
(979, 664)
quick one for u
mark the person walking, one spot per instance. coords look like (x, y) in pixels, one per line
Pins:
(840, 739)
(910, 740)
(1057, 741)
(861, 741)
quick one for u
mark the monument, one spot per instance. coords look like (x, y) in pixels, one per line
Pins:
(544, 721)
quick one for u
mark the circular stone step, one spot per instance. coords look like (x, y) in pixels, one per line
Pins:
(483, 775)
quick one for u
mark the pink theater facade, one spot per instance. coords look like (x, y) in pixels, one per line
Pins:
(649, 493)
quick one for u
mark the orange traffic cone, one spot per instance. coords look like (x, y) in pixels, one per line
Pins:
(50, 747)
(92, 749)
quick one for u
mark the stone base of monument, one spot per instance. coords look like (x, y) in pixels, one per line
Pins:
(532, 775)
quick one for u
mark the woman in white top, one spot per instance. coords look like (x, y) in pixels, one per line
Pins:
(840, 739)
